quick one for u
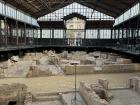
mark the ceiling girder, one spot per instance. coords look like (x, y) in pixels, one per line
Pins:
(38, 8)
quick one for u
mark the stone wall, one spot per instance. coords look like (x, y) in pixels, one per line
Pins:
(13, 92)
(90, 96)
(134, 83)
(80, 69)
(104, 83)
(37, 71)
(123, 61)
(112, 57)
(110, 68)
(87, 62)
(2, 74)
(120, 68)
(28, 99)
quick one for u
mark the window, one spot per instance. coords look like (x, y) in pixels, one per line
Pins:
(46, 33)
(75, 8)
(58, 33)
(128, 14)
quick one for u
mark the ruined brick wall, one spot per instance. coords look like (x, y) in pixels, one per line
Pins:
(28, 99)
(80, 69)
(13, 92)
(37, 71)
(110, 68)
(104, 83)
(134, 83)
(90, 96)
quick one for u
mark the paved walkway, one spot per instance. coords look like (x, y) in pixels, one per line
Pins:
(125, 97)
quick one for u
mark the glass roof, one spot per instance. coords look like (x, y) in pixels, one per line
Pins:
(91, 14)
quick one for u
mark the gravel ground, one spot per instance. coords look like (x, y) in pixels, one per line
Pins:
(65, 83)
(47, 103)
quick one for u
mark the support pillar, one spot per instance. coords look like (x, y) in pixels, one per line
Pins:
(5, 30)
(122, 36)
(25, 41)
(111, 34)
(84, 44)
(0, 34)
(17, 39)
(33, 41)
(41, 33)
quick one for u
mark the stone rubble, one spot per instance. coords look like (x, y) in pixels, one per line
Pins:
(14, 58)
(51, 63)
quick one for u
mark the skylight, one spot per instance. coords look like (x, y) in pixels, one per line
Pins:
(91, 14)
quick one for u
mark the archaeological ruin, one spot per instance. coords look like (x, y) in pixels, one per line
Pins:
(36, 67)
(69, 52)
